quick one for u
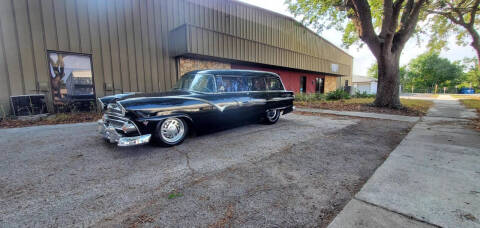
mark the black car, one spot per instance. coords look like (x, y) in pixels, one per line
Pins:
(202, 99)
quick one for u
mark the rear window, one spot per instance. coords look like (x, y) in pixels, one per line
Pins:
(274, 83)
(256, 84)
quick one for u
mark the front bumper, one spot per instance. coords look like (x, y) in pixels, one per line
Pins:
(112, 135)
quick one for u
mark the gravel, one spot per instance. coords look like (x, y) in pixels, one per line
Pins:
(298, 172)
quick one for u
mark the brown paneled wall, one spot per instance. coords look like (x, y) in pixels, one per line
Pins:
(189, 64)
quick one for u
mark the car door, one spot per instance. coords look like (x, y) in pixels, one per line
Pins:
(232, 98)
(277, 97)
(258, 95)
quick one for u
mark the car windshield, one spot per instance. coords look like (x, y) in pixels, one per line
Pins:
(196, 82)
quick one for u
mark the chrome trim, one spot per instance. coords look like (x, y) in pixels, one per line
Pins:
(133, 141)
(111, 107)
(281, 108)
(159, 118)
(111, 134)
(281, 98)
(125, 122)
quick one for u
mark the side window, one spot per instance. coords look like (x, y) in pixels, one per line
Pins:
(274, 83)
(256, 84)
(231, 84)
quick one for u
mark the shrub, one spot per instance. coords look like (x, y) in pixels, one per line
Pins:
(338, 95)
(363, 95)
(308, 97)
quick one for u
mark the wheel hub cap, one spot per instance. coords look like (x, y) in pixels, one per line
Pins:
(172, 129)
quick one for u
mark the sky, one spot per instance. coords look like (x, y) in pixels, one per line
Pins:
(363, 58)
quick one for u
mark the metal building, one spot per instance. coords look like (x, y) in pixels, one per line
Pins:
(145, 45)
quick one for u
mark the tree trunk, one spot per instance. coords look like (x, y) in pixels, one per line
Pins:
(475, 41)
(388, 80)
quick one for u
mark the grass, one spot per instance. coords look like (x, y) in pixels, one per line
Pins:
(174, 195)
(415, 107)
(472, 102)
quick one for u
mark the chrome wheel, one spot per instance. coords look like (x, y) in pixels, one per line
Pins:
(273, 115)
(172, 130)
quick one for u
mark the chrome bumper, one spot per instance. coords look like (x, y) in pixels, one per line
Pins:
(111, 134)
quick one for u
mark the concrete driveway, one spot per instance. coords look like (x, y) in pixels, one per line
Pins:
(300, 171)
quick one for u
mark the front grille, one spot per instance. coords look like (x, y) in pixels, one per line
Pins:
(118, 122)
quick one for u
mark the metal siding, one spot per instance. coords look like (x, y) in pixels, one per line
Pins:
(11, 50)
(97, 59)
(138, 45)
(145, 44)
(38, 41)
(132, 64)
(72, 25)
(4, 77)
(152, 46)
(83, 25)
(122, 43)
(105, 44)
(61, 25)
(114, 47)
(49, 24)
(159, 48)
(25, 46)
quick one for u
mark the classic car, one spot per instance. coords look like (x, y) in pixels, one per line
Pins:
(200, 99)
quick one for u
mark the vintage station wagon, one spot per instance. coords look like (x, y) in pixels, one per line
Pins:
(202, 99)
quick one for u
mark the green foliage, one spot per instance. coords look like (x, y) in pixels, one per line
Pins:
(452, 18)
(363, 95)
(470, 79)
(429, 69)
(309, 97)
(337, 95)
(373, 71)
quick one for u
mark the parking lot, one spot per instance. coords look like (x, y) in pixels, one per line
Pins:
(300, 171)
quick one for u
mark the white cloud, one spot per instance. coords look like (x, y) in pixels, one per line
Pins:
(363, 58)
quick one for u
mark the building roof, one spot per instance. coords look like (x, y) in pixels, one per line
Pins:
(358, 78)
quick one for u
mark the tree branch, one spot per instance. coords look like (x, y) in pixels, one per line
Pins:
(363, 21)
(409, 21)
(473, 12)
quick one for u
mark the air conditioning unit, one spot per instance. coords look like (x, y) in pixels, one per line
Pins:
(25, 105)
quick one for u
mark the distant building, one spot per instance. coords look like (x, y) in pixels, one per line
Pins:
(364, 84)
(145, 46)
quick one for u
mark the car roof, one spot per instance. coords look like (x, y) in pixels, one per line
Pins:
(234, 72)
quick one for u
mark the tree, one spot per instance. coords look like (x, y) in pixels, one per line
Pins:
(471, 79)
(430, 71)
(395, 22)
(454, 17)
(373, 71)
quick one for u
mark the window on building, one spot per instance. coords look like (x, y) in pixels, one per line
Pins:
(346, 82)
(274, 83)
(319, 85)
(71, 79)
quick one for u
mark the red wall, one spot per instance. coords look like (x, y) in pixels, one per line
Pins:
(290, 79)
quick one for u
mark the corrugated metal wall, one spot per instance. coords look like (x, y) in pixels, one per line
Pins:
(128, 40)
(233, 30)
